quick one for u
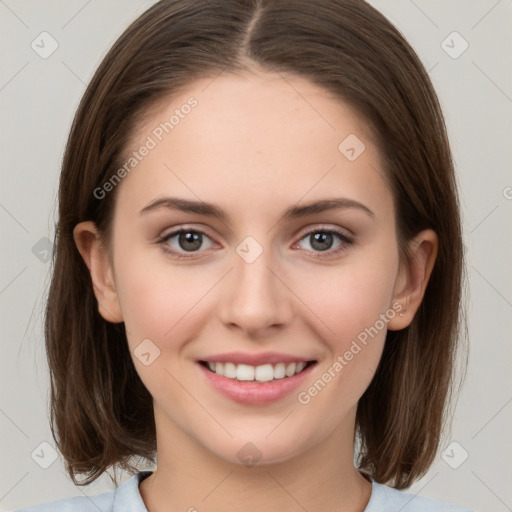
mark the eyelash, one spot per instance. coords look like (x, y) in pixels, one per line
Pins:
(346, 241)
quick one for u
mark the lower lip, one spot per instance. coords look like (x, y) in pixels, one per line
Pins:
(252, 392)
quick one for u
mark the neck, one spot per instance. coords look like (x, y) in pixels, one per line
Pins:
(191, 478)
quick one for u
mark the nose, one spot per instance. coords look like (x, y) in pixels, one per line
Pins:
(256, 297)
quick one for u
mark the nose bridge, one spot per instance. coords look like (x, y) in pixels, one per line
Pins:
(257, 298)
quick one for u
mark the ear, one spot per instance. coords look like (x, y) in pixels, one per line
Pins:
(89, 244)
(412, 278)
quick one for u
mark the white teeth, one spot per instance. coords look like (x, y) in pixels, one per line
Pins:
(230, 370)
(290, 369)
(279, 371)
(244, 372)
(219, 368)
(262, 373)
(300, 366)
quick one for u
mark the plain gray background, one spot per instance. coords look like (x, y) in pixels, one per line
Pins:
(38, 98)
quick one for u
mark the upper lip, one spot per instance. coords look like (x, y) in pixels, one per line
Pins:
(254, 359)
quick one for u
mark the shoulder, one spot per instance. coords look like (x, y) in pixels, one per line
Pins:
(102, 502)
(388, 499)
(126, 498)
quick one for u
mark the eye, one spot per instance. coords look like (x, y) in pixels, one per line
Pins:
(322, 240)
(187, 241)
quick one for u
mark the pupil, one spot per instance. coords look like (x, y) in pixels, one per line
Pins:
(320, 239)
(190, 237)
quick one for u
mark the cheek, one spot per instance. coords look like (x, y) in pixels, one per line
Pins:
(158, 302)
(159, 297)
(352, 307)
(349, 298)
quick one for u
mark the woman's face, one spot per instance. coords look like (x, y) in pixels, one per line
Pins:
(266, 273)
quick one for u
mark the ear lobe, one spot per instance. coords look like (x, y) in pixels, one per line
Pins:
(95, 256)
(413, 278)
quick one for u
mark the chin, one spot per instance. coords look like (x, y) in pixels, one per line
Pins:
(260, 450)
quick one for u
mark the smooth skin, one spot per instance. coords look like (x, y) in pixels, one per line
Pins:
(255, 145)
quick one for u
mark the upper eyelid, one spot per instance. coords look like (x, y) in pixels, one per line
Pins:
(176, 231)
(305, 231)
(337, 230)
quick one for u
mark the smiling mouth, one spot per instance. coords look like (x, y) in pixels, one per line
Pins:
(262, 373)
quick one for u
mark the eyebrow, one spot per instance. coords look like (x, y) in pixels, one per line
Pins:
(212, 210)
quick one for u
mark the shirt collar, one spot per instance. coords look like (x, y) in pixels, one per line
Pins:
(127, 497)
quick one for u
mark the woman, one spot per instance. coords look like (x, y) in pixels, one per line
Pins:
(258, 264)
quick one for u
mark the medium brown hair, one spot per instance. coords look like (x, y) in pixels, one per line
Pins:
(101, 413)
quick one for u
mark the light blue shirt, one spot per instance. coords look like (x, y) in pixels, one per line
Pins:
(126, 498)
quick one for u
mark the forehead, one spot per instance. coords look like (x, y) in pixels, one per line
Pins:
(240, 138)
